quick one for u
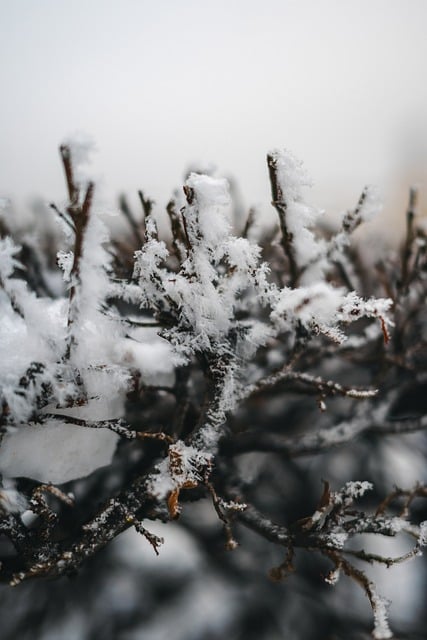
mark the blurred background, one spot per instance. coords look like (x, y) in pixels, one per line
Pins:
(160, 85)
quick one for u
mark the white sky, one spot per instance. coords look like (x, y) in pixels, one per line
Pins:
(164, 83)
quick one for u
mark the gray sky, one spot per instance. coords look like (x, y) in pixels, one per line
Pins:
(160, 84)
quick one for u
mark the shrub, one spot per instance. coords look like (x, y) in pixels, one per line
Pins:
(244, 367)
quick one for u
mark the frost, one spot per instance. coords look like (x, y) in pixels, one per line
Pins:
(333, 577)
(370, 205)
(65, 262)
(398, 524)
(317, 304)
(357, 489)
(57, 353)
(322, 308)
(221, 297)
(380, 608)
(11, 500)
(300, 216)
(208, 220)
(221, 286)
(354, 307)
(184, 467)
(191, 339)
(8, 251)
(205, 296)
(337, 539)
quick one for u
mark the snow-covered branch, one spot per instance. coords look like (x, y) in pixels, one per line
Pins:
(135, 372)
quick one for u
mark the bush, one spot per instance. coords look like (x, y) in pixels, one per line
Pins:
(272, 377)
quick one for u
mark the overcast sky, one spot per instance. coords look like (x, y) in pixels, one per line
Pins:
(160, 84)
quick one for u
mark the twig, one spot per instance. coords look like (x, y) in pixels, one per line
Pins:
(410, 235)
(318, 384)
(280, 205)
(126, 210)
(117, 426)
(147, 204)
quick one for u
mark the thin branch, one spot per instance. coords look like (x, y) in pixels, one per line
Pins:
(250, 221)
(63, 216)
(319, 385)
(280, 205)
(146, 203)
(73, 190)
(117, 426)
(409, 240)
(136, 228)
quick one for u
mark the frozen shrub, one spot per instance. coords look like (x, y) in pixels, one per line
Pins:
(143, 384)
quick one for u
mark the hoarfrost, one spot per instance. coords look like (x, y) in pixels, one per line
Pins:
(369, 206)
(183, 467)
(300, 216)
(333, 577)
(11, 500)
(380, 606)
(34, 334)
(204, 294)
(337, 539)
(65, 262)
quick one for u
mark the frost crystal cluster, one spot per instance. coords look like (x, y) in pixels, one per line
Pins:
(148, 371)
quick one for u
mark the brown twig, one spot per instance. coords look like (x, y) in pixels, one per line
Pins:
(136, 228)
(118, 426)
(279, 203)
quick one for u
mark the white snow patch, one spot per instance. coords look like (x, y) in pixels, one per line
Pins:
(11, 500)
(55, 452)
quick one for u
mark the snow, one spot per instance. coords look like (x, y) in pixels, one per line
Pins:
(23, 343)
(11, 500)
(206, 296)
(8, 251)
(333, 577)
(323, 307)
(75, 357)
(65, 262)
(184, 466)
(150, 354)
(318, 303)
(337, 539)
(208, 220)
(33, 340)
(300, 216)
(222, 275)
(81, 146)
(88, 356)
(369, 206)
(55, 451)
(355, 489)
(380, 608)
